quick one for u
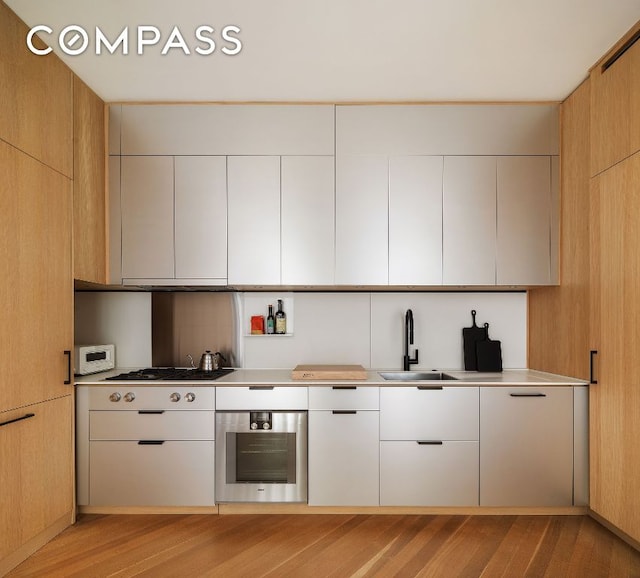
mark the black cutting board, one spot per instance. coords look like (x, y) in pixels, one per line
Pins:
(489, 353)
(470, 335)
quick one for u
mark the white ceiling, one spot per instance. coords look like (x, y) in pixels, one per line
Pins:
(346, 50)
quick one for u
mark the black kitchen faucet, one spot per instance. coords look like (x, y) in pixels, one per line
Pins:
(407, 361)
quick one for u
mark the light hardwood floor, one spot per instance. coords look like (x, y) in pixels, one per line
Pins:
(333, 545)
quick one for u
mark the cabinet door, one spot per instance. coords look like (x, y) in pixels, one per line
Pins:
(36, 476)
(343, 458)
(36, 294)
(526, 458)
(429, 473)
(362, 220)
(89, 180)
(610, 114)
(524, 221)
(634, 97)
(127, 473)
(469, 221)
(147, 218)
(308, 235)
(36, 93)
(201, 218)
(415, 220)
(254, 220)
(614, 426)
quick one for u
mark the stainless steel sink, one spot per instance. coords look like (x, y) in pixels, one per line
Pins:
(415, 376)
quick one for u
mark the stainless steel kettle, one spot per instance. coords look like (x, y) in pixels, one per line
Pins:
(211, 361)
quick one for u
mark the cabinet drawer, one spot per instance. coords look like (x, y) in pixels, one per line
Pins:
(143, 425)
(343, 458)
(412, 413)
(124, 473)
(261, 397)
(344, 397)
(434, 474)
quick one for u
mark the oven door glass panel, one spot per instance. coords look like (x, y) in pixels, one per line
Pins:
(262, 457)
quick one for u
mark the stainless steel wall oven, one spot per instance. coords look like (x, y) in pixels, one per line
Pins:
(261, 456)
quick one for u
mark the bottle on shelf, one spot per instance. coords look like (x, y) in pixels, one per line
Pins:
(281, 319)
(271, 322)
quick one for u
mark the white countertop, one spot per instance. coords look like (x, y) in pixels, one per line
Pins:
(282, 377)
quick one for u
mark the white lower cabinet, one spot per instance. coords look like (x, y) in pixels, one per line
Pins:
(139, 473)
(429, 448)
(343, 458)
(527, 446)
(344, 446)
(429, 473)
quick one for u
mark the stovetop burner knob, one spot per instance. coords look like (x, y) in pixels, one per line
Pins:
(175, 396)
(190, 397)
(115, 396)
(129, 397)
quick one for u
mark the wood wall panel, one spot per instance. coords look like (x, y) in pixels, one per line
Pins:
(89, 183)
(559, 316)
(36, 94)
(634, 88)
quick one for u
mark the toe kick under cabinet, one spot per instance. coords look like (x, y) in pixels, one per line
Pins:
(156, 449)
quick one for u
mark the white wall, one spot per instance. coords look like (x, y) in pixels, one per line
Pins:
(121, 318)
(367, 328)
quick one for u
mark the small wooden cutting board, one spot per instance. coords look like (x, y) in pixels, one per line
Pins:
(327, 372)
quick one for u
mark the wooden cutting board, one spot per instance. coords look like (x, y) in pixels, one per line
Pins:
(328, 372)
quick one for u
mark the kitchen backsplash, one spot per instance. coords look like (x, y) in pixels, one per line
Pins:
(333, 327)
(121, 318)
(367, 328)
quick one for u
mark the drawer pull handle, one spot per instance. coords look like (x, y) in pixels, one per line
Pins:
(150, 442)
(150, 411)
(26, 416)
(260, 387)
(592, 379)
(528, 394)
(344, 412)
(68, 355)
(429, 387)
(344, 387)
(429, 443)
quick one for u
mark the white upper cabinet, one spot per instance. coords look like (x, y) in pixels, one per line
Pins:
(362, 220)
(492, 129)
(524, 221)
(415, 220)
(469, 221)
(308, 230)
(227, 130)
(201, 217)
(147, 217)
(254, 220)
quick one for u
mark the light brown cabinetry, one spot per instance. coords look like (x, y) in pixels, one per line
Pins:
(89, 198)
(615, 399)
(36, 97)
(615, 107)
(36, 476)
(36, 290)
(559, 316)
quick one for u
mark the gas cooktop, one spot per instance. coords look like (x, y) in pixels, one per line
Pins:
(169, 374)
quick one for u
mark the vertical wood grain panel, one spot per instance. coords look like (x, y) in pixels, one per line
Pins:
(36, 292)
(559, 316)
(36, 92)
(634, 97)
(615, 400)
(89, 182)
(36, 476)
